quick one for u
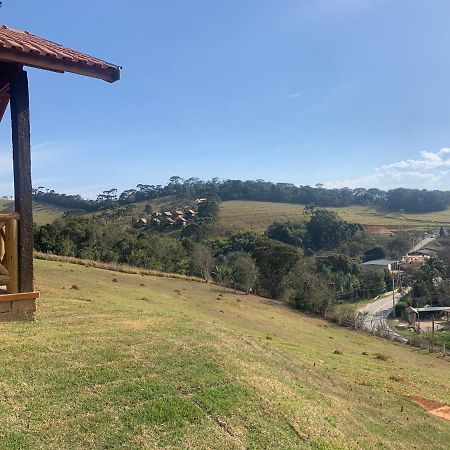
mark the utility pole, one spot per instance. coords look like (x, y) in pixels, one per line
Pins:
(393, 296)
(432, 333)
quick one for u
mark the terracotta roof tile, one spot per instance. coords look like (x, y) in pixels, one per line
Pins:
(25, 48)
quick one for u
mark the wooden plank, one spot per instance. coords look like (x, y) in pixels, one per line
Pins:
(2, 243)
(4, 279)
(4, 271)
(20, 123)
(12, 257)
(9, 215)
(19, 296)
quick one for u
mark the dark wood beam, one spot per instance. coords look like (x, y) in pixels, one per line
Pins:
(20, 123)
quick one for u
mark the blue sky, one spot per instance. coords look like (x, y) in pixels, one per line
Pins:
(341, 92)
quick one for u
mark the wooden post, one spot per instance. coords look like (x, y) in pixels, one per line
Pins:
(20, 123)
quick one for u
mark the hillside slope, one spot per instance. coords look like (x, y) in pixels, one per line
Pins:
(43, 213)
(126, 361)
(239, 215)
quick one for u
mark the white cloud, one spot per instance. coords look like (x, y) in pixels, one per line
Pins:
(295, 94)
(429, 161)
(430, 171)
(45, 144)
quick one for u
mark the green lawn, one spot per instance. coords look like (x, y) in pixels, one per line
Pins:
(145, 362)
(239, 215)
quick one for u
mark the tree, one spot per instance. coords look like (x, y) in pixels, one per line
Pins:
(197, 230)
(244, 271)
(433, 268)
(222, 273)
(400, 245)
(374, 253)
(373, 283)
(307, 290)
(288, 232)
(274, 261)
(326, 230)
(208, 210)
(429, 284)
(336, 262)
(203, 261)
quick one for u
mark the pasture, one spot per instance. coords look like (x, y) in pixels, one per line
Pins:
(240, 215)
(43, 213)
(130, 361)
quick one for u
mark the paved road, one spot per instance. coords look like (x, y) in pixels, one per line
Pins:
(374, 315)
(422, 243)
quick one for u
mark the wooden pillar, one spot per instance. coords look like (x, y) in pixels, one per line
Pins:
(20, 123)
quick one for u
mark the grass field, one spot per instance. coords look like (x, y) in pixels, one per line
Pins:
(43, 213)
(145, 362)
(242, 215)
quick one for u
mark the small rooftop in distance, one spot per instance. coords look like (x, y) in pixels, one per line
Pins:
(379, 262)
(430, 309)
(22, 47)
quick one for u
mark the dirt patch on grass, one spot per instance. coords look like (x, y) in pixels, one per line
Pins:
(433, 407)
(383, 357)
(443, 412)
(140, 324)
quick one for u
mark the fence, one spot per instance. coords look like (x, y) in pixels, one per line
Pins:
(378, 327)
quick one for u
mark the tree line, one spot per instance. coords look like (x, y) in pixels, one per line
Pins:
(396, 200)
(312, 266)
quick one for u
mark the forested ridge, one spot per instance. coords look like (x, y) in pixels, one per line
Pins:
(395, 200)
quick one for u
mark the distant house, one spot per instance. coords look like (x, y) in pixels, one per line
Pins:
(427, 313)
(381, 264)
(434, 246)
(199, 201)
(170, 221)
(167, 214)
(415, 257)
(427, 252)
(181, 221)
(142, 221)
(191, 213)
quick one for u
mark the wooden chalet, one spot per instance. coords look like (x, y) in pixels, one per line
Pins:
(19, 49)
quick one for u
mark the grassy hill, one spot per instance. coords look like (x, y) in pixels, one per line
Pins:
(126, 361)
(242, 215)
(43, 212)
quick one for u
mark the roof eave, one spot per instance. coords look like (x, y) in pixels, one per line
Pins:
(109, 74)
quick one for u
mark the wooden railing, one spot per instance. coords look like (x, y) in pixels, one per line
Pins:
(9, 252)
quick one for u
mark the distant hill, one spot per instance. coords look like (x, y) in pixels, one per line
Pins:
(126, 361)
(43, 212)
(395, 200)
(240, 215)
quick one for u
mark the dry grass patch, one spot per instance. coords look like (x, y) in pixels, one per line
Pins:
(103, 368)
(241, 215)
